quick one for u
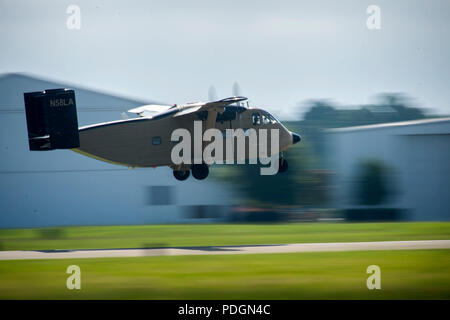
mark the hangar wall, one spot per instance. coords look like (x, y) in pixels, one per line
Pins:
(417, 151)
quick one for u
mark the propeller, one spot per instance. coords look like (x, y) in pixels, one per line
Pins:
(236, 89)
(212, 94)
(236, 92)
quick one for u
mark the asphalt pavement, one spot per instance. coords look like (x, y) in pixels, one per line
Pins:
(214, 250)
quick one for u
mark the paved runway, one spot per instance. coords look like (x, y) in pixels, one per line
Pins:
(278, 248)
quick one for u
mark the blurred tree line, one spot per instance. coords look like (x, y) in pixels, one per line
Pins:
(306, 181)
(322, 114)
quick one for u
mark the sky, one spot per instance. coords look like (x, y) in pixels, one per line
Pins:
(282, 53)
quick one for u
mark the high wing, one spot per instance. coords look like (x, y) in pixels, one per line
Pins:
(217, 106)
(212, 108)
(154, 111)
(150, 110)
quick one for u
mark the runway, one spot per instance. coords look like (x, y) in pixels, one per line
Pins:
(214, 250)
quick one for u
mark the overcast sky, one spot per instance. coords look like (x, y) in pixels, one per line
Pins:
(280, 52)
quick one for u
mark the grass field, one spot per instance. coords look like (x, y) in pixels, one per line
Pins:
(415, 274)
(215, 234)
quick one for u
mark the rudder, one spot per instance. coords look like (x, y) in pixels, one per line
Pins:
(51, 119)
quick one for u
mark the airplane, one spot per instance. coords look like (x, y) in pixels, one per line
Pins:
(143, 141)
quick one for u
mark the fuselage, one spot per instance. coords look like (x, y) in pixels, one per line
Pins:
(146, 142)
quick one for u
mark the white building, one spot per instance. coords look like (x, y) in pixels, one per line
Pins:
(61, 187)
(417, 151)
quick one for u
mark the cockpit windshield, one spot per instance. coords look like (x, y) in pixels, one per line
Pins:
(263, 118)
(268, 118)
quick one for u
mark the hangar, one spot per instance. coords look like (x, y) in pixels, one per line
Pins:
(418, 152)
(64, 188)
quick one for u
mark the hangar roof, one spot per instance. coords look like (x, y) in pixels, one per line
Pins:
(13, 85)
(390, 125)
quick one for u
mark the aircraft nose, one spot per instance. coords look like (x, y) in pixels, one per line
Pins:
(295, 138)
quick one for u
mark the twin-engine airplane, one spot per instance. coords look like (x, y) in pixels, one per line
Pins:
(144, 141)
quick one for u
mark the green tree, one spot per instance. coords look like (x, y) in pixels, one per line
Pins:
(373, 186)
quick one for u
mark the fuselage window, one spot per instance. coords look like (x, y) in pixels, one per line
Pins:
(256, 119)
(156, 140)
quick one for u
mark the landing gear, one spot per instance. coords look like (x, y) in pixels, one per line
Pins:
(200, 171)
(181, 175)
(283, 165)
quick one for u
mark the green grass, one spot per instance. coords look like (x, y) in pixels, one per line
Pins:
(215, 234)
(408, 274)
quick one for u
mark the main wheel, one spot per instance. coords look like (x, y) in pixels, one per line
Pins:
(282, 165)
(181, 175)
(200, 171)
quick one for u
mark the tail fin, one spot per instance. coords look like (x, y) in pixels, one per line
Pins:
(52, 119)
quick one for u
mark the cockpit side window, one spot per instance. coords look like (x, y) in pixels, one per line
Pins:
(265, 119)
(256, 119)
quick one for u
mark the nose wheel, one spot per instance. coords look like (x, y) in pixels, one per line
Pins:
(181, 175)
(282, 165)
